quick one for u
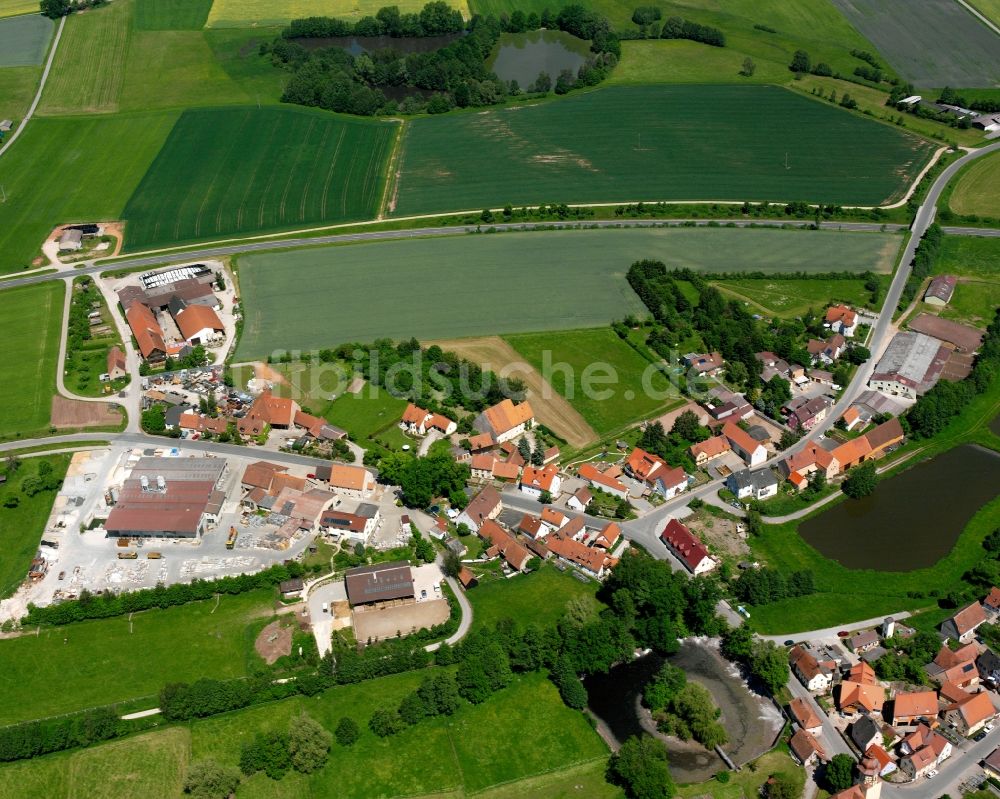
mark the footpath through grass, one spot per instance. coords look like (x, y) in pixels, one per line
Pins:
(601, 376)
(631, 143)
(90, 663)
(247, 170)
(30, 325)
(505, 283)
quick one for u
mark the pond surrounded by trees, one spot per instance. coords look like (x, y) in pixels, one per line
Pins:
(751, 722)
(524, 56)
(913, 519)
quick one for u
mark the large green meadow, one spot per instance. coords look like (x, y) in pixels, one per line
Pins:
(975, 190)
(477, 748)
(228, 171)
(632, 143)
(505, 282)
(79, 169)
(539, 597)
(77, 666)
(250, 13)
(30, 324)
(601, 376)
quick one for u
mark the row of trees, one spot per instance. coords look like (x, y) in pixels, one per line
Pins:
(926, 254)
(648, 20)
(765, 585)
(34, 738)
(305, 747)
(436, 18)
(107, 604)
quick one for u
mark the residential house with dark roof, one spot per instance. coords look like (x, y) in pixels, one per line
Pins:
(759, 484)
(686, 547)
(881, 439)
(863, 641)
(865, 733)
(805, 414)
(806, 749)
(988, 665)
(705, 364)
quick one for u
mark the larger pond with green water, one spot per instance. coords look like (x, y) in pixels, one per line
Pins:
(913, 519)
(524, 56)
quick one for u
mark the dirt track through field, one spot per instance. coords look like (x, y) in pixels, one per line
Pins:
(550, 408)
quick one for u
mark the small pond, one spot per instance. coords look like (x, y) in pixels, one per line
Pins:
(522, 56)
(751, 721)
(913, 519)
(356, 45)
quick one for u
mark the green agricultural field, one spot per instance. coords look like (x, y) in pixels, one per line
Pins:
(680, 61)
(31, 321)
(101, 158)
(17, 89)
(236, 50)
(89, 68)
(12, 8)
(21, 527)
(793, 298)
(624, 386)
(536, 598)
(99, 662)
(147, 765)
(969, 256)
(247, 170)
(480, 747)
(178, 69)
(930, 43)
(975, 192)
(631, 143)
(988, 8)
(252, 13)
(555, 280)
(974, 302)
(485, 741)
(24, 40)
(171, 15)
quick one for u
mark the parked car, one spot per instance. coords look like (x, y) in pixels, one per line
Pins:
(979, 735)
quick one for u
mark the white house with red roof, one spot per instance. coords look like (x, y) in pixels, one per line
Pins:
(580, 500)
(686, 547)
(536, 481)
(745, 445)
(842, 319)
(420, 422)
